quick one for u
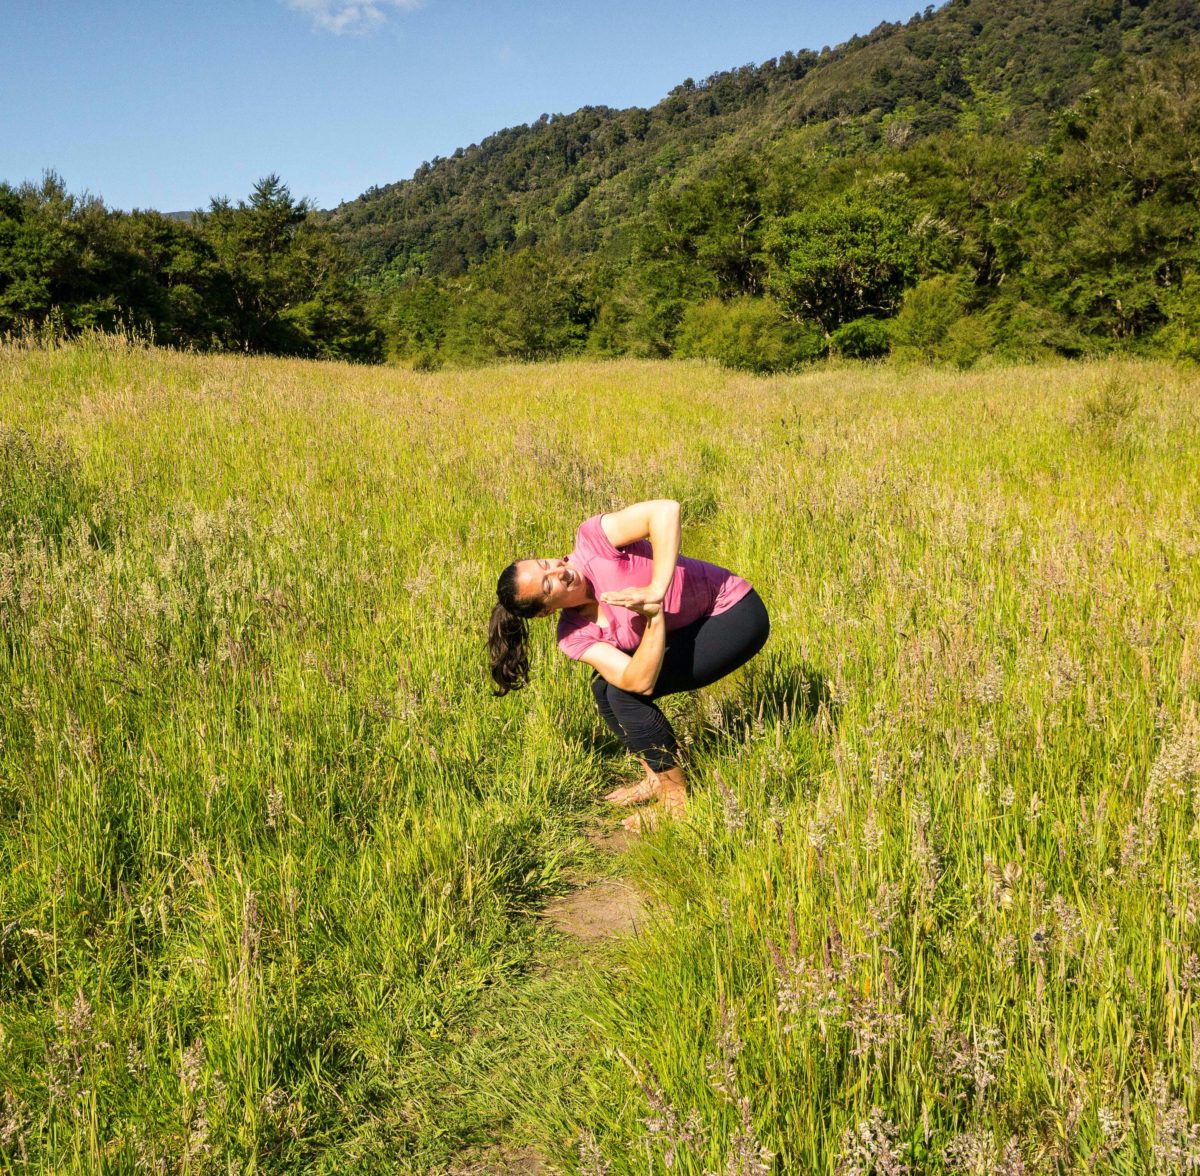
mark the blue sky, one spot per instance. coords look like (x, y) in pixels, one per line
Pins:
(166, 103)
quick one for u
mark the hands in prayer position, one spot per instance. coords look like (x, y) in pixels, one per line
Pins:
(648, 601)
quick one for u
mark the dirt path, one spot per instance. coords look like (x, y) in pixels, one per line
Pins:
(503, 1161)
(610, 838)
(597, 911)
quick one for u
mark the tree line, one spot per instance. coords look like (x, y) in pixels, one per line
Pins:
(257, 276)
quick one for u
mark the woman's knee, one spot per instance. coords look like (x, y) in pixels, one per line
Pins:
(645, 729)
(625, 703)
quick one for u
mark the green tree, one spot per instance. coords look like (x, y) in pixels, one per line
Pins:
(1109, 223)
(415, 315)
(532, 305)
(288, 291)
(849, 256)
(712, 227)
(1180, 335)
(175, 283)
(38, 250)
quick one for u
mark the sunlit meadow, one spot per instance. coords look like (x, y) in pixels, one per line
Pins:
(271, 854)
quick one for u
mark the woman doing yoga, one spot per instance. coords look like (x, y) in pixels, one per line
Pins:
(648, 621)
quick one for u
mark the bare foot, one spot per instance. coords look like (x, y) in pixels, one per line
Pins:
(645, 789)
(672, 805)
(630, 794)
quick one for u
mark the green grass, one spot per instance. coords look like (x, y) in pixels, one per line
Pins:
(270, 851)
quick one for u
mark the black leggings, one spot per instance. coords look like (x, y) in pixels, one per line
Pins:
(696, 656)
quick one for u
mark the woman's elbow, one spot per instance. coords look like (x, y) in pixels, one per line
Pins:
(632, 686)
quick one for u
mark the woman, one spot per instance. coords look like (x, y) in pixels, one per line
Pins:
(648, 621)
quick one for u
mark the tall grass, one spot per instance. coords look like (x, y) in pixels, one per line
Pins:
(269, 850)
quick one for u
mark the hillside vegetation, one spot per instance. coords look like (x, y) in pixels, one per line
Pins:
(979, 65)
(271, 851)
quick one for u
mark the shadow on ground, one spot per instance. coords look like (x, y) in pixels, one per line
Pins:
(772, 690)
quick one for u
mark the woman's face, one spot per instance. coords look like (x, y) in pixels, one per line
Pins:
(555, 581)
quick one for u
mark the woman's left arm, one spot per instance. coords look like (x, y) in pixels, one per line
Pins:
(658, 520)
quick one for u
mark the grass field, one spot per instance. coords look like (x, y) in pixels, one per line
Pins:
(271, 853)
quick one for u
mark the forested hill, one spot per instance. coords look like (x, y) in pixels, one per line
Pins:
(585, 178)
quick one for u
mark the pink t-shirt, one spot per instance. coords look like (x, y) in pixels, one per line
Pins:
(698, 589)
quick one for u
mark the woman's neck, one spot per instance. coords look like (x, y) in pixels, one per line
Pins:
(590, 609)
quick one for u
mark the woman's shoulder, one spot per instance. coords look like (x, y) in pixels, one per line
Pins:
(571, 620)
(576, 633)
(592, 543)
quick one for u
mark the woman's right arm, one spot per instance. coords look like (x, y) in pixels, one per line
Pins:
(639, 673)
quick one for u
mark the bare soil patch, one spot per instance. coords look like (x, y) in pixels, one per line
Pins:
(610, 838)
(502, 1161)
(598, 911)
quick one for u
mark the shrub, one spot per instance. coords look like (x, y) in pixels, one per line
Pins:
(428, 361)
(933, 324)
(926, 315)
(864, 338)
(967, 341)
(615, 328)
(747, 333)
(1024, 333)
(1109, 415)
(1180, 336)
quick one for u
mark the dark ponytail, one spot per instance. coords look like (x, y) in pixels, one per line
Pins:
(508, 633)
